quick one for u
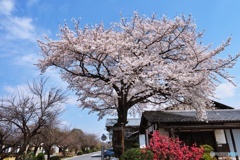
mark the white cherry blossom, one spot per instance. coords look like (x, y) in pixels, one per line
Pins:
(122, 69)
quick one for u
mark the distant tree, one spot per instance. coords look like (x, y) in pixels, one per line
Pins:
(30, 112)
(7, 139)
(36, 142)
(66, 140)
(47, 138)
(78, 138)
(51, 136)
(93, 140)
(123, 69)
(89, 141)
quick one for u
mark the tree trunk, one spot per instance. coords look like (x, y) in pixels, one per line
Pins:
(48, 152)
(117, 140)
(118, 131)
(35, 150)
(22, 152)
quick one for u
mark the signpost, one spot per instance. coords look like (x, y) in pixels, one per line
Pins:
(103, 138)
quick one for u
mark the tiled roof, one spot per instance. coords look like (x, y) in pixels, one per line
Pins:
(219, 105)
(131, 122)
(216, 105)
(190, 116)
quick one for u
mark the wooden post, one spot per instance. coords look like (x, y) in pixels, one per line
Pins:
(122, 138)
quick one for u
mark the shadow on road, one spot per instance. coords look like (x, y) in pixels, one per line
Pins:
(97, 155)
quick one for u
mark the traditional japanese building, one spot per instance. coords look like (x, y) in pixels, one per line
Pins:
(221, 129)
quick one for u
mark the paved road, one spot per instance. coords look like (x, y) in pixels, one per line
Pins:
(90, 156)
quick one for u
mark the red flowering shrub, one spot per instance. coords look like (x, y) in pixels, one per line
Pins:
(165, 148)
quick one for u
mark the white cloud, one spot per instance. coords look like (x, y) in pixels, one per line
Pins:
(80, 116)
(64, 124)
(27, 60)
(19, 28)
(31, 2)
(55, 77)
(6, 7)
(14, 27)
(14, 90)
(65, 7)
(9, 89)
(225, 90)
(72, 100)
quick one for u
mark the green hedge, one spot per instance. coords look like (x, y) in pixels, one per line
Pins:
(137, 154)
(80, 152)
(40, 156)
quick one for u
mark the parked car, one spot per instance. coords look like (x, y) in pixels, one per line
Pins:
(109, 153)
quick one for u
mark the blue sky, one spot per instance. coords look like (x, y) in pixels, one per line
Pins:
(23, 22)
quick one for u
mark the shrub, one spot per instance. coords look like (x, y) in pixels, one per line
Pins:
(91, 150)
(29, 156)
(135, 145)
(95, 150)
(55, 158)
(207, 150)
(80, 152)
(164, 147)
(137, 154)
(87, 151)
(40, 156)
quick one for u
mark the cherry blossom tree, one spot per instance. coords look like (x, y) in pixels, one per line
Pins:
(136, 63)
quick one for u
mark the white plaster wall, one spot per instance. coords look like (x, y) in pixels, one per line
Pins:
(236, 135)
(220, 136)
(142, 142)
(56, 149)
(229, 140)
